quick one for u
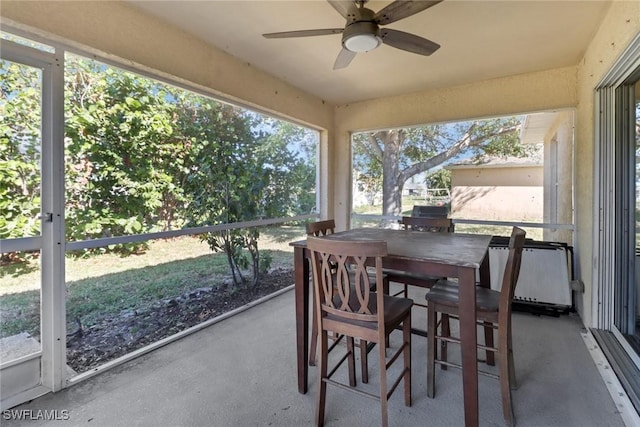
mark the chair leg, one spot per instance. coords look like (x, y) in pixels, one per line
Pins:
(505, 376)
(406, 339)
(488, 341)
(446, 332)
(314, 337)
(431, 349)
(507, 405)
(322, 385)
(351, 361)
(386, 290)
(512, 366)
(384, 413)
(364, 362)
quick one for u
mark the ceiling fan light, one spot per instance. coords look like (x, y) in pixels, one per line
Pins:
(362, 42)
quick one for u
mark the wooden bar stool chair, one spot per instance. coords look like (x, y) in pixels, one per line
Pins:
(493, 311)
(406, 279)
(346, 305)
(318, 228)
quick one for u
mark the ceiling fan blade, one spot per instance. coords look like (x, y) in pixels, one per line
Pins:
(344, 7)
(408, 42)
(344, 59)
(303, 33)
(401, 9)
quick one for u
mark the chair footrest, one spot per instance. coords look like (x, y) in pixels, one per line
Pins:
(458, 366)
(349, 388)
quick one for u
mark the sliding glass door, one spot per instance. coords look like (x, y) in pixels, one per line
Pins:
(627, 300)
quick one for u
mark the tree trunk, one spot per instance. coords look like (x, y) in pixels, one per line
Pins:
(236, 274)
(252, 246)
(391, 184)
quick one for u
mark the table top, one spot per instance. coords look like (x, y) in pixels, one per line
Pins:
(464, 250)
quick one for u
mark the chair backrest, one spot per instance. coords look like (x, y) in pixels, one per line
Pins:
(433, 224)
(511, 272)
(321, 228)
(342, 284)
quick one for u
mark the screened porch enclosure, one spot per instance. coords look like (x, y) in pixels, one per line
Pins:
(81, 190)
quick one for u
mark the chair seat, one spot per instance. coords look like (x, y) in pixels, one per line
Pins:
(395, 309)
(445, 293)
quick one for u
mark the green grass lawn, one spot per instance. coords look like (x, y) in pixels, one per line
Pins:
(104, 285)
(407, 206)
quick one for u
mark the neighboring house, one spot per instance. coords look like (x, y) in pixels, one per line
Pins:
(413, 189)
(502, 189)
(538, 188)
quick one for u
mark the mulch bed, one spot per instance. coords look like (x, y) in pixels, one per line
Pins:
(92, 346)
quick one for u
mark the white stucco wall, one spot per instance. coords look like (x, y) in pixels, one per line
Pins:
(497, 193)
(558, 177)
(619, 27)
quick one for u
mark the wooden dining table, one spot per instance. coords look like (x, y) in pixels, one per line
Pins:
(453, 255)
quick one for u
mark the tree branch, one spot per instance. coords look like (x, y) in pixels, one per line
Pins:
(462, 144)
(376, 146)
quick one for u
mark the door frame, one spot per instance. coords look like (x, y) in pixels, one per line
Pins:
(614, 212)
(51, 243)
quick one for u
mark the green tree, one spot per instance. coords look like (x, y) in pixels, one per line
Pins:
(144, 156)
(393, 156)
(120, 153)
(286, 155)
(20, 150)
(216, 173)
(241, 167)
(439, 179)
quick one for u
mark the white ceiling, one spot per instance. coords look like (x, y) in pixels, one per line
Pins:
(480, 40)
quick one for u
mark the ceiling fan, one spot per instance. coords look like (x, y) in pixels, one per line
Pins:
(362, 31)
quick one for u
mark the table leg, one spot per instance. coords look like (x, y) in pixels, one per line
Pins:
(301, 271)
(468, 341)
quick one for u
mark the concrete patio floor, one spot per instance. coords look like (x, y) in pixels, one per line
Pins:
(241, 372)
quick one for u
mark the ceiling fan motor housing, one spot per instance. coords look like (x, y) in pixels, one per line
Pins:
(361, 36)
